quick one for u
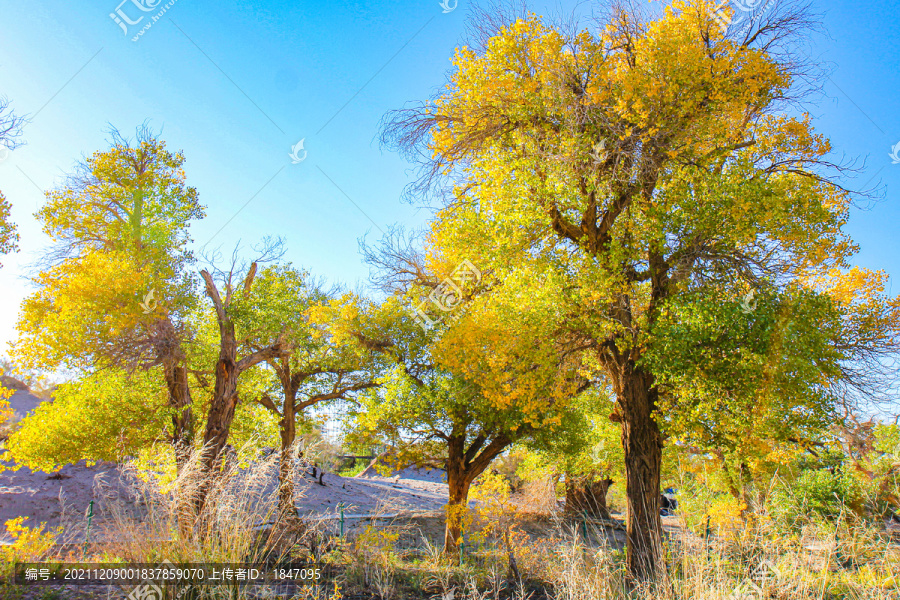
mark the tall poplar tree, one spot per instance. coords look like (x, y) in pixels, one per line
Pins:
(114, 289)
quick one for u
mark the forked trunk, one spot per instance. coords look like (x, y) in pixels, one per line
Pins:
(587, 496)
(227, 370)
(642, 442)
(463, 466)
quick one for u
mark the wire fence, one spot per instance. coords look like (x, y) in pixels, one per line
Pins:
(419, 534)
(331, 421)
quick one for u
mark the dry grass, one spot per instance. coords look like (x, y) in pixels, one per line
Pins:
(238, 523)
(824, 562)
(161, 522)
(845, 559)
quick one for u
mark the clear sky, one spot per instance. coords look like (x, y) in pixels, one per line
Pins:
(236, 83)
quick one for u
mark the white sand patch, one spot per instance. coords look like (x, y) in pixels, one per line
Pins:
(62, 498)
(53, 498)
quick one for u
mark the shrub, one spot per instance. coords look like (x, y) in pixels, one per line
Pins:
(30, 544)
(815, 495)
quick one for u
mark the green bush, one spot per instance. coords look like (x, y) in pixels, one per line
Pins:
(815, 496)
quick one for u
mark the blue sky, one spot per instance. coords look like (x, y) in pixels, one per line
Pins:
(235, 84)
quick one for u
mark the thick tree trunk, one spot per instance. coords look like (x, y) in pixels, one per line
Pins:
(182, 439)
(170, 354)
(587, 495)
(458, 494)
(643, 442)
(458, 482)
(221, 410)
(228, 369)
(463, 466)
(218, 424)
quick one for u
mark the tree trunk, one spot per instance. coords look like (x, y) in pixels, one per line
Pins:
(458, 482)
(227, 371)
(463, 466)
(286, 506)
(183, 418)
(218, 425)
(642, 442)
(182, 439)
(221, 410)
(587, 495)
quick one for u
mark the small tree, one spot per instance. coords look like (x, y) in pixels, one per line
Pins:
(461, 394)
(315, 367)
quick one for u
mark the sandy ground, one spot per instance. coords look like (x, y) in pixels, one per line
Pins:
(55, 498)
(63, 498)
(413, 498)
(409, 490)
(23, 403)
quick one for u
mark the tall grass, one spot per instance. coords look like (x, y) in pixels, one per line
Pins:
(848, 558)
(163, 521)
(558, 557)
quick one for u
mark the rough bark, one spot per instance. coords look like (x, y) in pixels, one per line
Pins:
(182, 437)
(642, 442)
(587, 495)
(166, 343)
(227, 370)
(183, 418)
(222, 407)
(458, 484)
